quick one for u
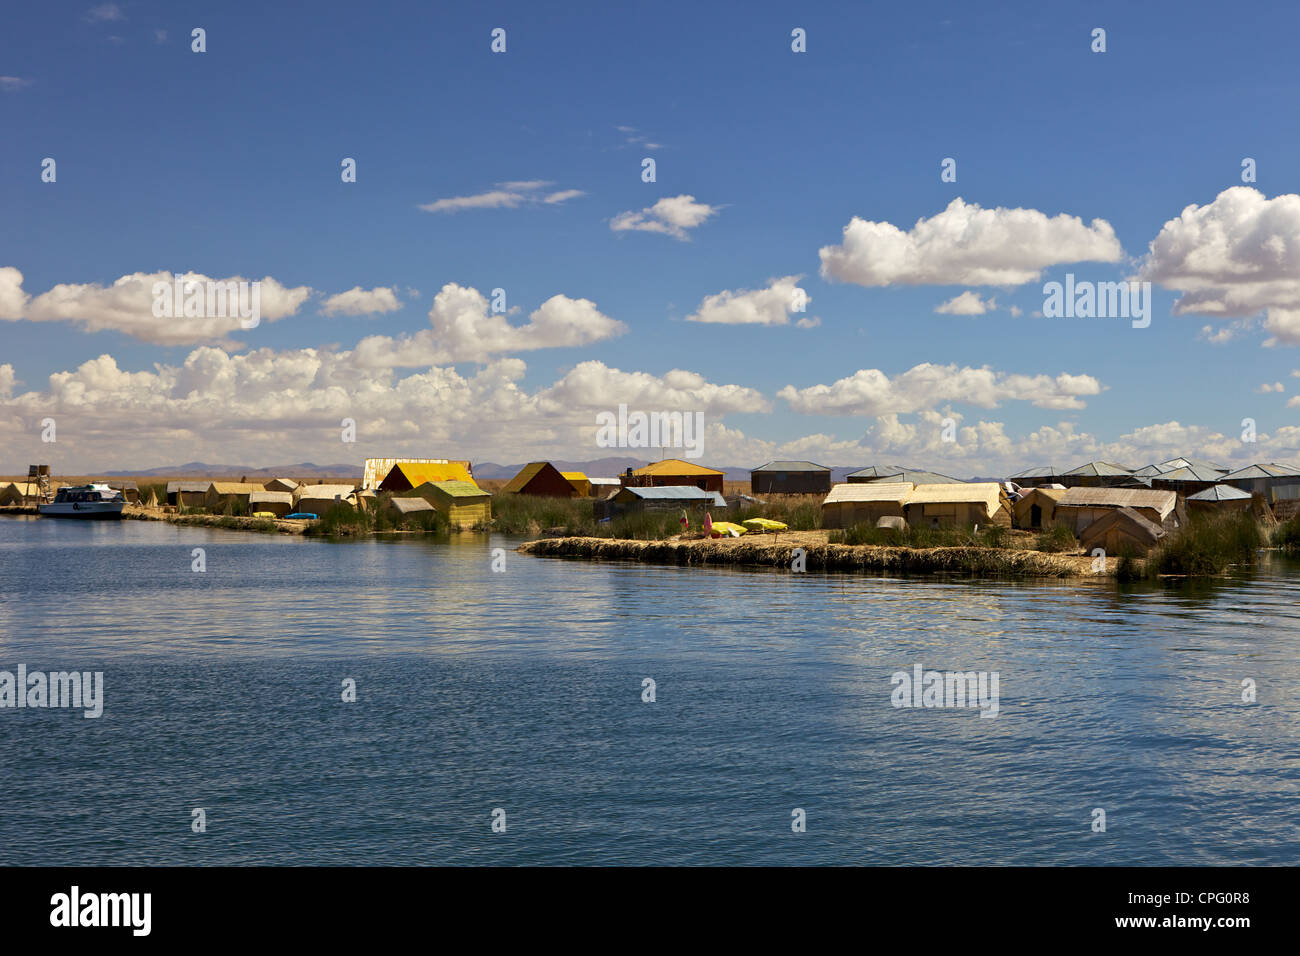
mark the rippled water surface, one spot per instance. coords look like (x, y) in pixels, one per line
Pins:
(522, 690)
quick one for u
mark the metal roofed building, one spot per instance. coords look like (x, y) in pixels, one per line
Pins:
(914, 475)
(1219, 498)
(674, 471)
(658, 498)
(1038, 475)
(790, 478)
(1260, 479)
(1096, 474)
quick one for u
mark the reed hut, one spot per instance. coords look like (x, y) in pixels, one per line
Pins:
(1036, 508)
(281, 484)
(377, 470)
(581, 483)
(23, 493)
(848, 505)
(673, 472)
(790, 478)
(130, 490)
(1080, 507)
(278, 503)
(1121, 530)
(958, 505)
(464, 503)
(541, 479)
(232, 495)
(318, 499)
(188, 494)
(363, 499)
(404, 507)
(405, 475)
(1219, 499)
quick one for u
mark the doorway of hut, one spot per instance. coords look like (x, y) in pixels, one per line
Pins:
(1035, 516)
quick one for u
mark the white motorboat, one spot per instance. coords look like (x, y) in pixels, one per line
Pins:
(85, 501)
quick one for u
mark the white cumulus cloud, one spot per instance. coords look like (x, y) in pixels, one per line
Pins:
(127, 306)
(359, 301)
(672, 216)
(1234, 257)
(923, 387)
(968, 303)
(966, 245)
(773, 305)
(464, 329)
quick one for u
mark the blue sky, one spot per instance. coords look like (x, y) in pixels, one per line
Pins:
(227, 163)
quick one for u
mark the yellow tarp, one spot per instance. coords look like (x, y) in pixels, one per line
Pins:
(721, 528)
(764, 524)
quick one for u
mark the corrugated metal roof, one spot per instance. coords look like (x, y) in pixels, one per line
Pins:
(791, 466)
(1173, 463)
(914, 476)
(677, 492)
(895, 491)
(1219, 493)
(1100, 469)
(1038, 471)
(878, 471)
(1271, 470)
(674, 466)
(1191, 473)
(1163, 502)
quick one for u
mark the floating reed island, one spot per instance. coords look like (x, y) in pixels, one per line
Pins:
(819, 554)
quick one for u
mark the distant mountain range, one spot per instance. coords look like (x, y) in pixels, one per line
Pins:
(487, 470)
(201, 469)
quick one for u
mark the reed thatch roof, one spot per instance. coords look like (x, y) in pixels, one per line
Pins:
(1128, 520)
(1162, 502)
(895, 491)
(987, 493)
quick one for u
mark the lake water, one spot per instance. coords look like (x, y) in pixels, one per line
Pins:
(522, 690)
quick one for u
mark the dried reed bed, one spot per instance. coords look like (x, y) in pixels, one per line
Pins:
(777, 551)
